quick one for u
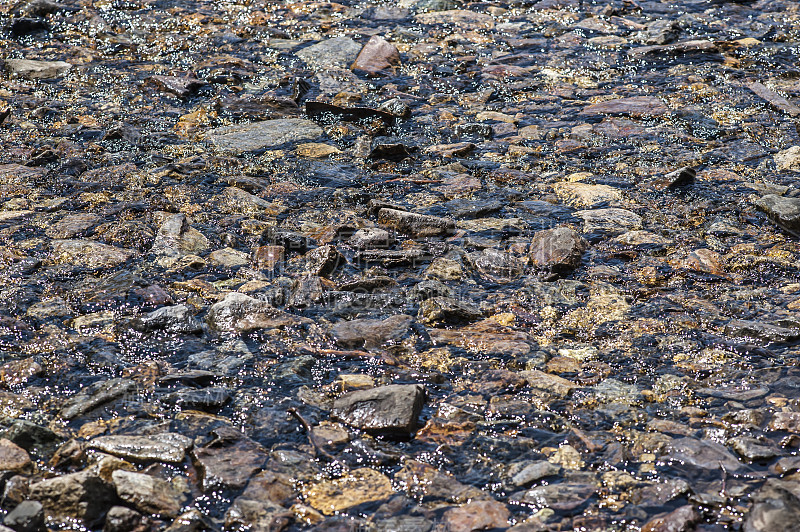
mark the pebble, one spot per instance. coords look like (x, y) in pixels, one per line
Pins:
(391, 409)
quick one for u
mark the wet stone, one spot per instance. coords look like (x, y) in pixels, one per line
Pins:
(34, 69)
(150, 494)
(336, 52)
(88, 253)
(478, 515)
(28, 516)
(166, 447)
(357, 487)
(783, 211)
(13, 458)
(262, 135)
(557, 249)
(83, 495)
(448, 310)
(419, 225)
(392, 409)
(371, 334)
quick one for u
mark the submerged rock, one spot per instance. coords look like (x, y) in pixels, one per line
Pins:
(392, 409)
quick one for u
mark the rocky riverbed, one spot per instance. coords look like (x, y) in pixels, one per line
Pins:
(423, 265)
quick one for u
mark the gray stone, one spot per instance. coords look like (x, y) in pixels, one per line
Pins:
(447, 309)
(172, 319)
(324, 260)
(241, 313)
(176, 239)
(371, 237)
(391, 409)
(775, 507)
(371, 334)
(419, 225)
(336, 52)
(71, 225)
(262, 135)
(234, 200)
(95, 396)
(28, 516)
(229, 460)
(752, 449)
(88, 253)
(783, 211)
(564, 497)
(122, 519)
(149, 494)
(164, 447)
(560, 249)
(610, 221)
(535, 471)
(497, 265)
(83, 495)
(703, 454)
(31, 69)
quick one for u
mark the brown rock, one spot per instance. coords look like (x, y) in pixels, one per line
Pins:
(358, 487)
(377, 56)
(388, 409)
(13, 458)
(557, 249)
(230, 460)
(267, 257)
(477, 515)
(706, 261)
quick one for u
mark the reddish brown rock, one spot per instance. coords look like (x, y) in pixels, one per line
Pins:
(377, 56)
(477, 515)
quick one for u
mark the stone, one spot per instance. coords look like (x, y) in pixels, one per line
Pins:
(357, 487)
(249, 514)
(72, 225)
(703, 454)
(418, 225)
(459, 18)
(14, 458)
(242, 313)
(234, 200)
(682, 518)
(610, 221)
(339, 52)
(498, 266)
(775, 507)
(752, 449)
(565, 497)
(762, 331)
(391, 409)
(150, 494)
(444, 269)
(560, 249)
(267, 134)
(228, 258)
(477, 515)
(584, 195)
(635, 106)
(426, 483)
(371, 238)
(176, 319)
(535, 471)
(706, 261)
(83, 496)
(267, 257)
(28, 516)
(229, 461)
(323, 261)
(16, 372)
(788, 159)
(206, 399)
(441, 309)
(95, 396)
(783, 211)
(785, 421)
(32, 437)
(377, 56)
(165, 447)
(175, 239)
(371, 334)
(122, 519)
(550, 383)
(88, 253)
(31, 69)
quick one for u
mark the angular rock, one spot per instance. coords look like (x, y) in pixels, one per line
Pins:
(425, 482)
(164, 447)
(477, 515)
(28, 516)
(323, 261)
(775, 507)
(460, 18)
(560, 249)
(783, 211)
(150, 494)
(378, 55)
(565, 497)
(234, 200)
(535, 471)
(371, 334)
(788, 159)
(31, 69)
(418, 225)
(447, 309)
(337, 52)
(71, 225)
(371, 238)
(13, 458)
(88, 253)
(176, 239)
(95, 396)
(83, 495)
(229, 461)
(585, 195)
(703, 454)
(242, 313)
(610, 221)
(172, 319)
(391, 409)
(122, 519)
(683, 518)
(635, 106)
(264, 135)
(357, 487)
